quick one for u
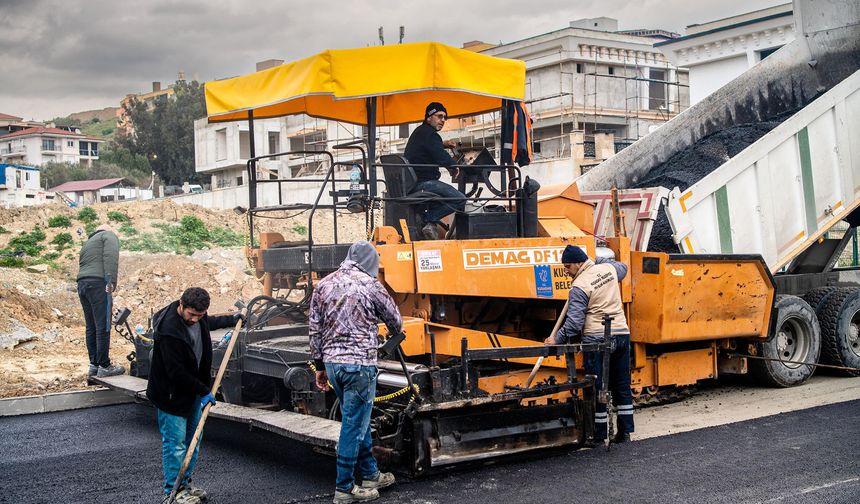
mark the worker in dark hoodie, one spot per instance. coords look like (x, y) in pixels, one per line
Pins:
(180, 379)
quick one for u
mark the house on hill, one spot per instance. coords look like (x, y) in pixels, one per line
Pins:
(87, 192)
(42, 144)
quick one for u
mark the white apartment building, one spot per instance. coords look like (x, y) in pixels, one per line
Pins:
(43, 144)
(718, 51)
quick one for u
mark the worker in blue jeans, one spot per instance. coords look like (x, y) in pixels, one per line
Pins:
(345, 309)
(179, 382)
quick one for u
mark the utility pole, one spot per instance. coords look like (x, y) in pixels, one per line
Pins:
(381, 36)
(402, 33)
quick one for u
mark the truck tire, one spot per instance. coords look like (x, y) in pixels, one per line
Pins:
(818, 297)
(839, 317)
(796, 337)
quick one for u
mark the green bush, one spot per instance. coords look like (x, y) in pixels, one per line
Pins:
(28, 243)
(4, 230)
(10, 261)
(183, 238)
(127, 229)
(300, 229)
(90, 227)
(59, 221)
(87, 215)
(50, 256)
(62, 240)
(115, 216)
(224, 237)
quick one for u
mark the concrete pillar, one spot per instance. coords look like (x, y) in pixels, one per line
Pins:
(604, 145)
(577, 146)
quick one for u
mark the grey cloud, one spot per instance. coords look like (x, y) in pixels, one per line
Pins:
(60, 57)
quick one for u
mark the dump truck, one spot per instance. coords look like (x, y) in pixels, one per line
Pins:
(477, 305)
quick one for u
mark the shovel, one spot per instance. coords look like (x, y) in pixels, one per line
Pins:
(553, 333)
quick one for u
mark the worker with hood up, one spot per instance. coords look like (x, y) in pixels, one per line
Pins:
(346, 309)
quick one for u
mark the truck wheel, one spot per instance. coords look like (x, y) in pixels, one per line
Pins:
(840, 330)
(794, 338)
(818, 297)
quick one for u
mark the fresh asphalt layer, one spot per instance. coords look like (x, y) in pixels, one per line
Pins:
(112, 454)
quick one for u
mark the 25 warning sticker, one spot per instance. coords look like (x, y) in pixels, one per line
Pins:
(429, 260)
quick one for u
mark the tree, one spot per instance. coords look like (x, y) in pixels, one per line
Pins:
(164, 133)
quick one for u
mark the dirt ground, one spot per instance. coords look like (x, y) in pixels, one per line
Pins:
(42, 346)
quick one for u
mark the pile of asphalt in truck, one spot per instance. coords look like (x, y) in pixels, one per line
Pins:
(690, 165)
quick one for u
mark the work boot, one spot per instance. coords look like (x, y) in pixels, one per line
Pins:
(621, 437)
(93, 369)
(357, 494)
(183, 496)
(430, 231)
(195, 491)
(382, 480)
(111, 370)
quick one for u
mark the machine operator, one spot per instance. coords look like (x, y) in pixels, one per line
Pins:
(425, 147)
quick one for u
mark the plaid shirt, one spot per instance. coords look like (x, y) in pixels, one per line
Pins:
(345, 310)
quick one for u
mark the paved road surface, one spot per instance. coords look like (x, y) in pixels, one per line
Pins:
(112, 454)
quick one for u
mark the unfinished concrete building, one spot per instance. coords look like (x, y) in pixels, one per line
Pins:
(593, 90)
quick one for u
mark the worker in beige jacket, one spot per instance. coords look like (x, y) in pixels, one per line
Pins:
(593, 294)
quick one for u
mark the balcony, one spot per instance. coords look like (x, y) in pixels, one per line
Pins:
(11, 152)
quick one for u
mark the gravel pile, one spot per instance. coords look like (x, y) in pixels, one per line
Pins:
(692, 164)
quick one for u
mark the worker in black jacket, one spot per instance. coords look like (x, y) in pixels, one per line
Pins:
(425, 147)
(180, 379)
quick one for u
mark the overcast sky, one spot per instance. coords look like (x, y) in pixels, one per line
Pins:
(61, 56)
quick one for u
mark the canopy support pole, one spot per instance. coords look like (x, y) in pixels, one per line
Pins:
(252, 171)
(371, 145)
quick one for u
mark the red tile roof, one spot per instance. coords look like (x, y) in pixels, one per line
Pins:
(44, 130)
(7, 117)
(86, 185)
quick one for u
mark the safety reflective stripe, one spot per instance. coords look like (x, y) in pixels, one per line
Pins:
(625, 406)
(601, 420)
(625, 412)
(601, 414)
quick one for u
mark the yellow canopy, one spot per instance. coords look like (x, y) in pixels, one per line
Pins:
(405, 78)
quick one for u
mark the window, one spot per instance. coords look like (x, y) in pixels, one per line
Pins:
(221, 145)
(48, 144)
(403, 131)
(244, 145)
(580, 68)
(657, 89)
(239, 180)
(274, 142)
(536, 147)
(27, 176)
(70, 143)
(84, 148)
(611, 70)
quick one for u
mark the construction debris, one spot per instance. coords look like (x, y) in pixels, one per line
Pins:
(42, 344)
